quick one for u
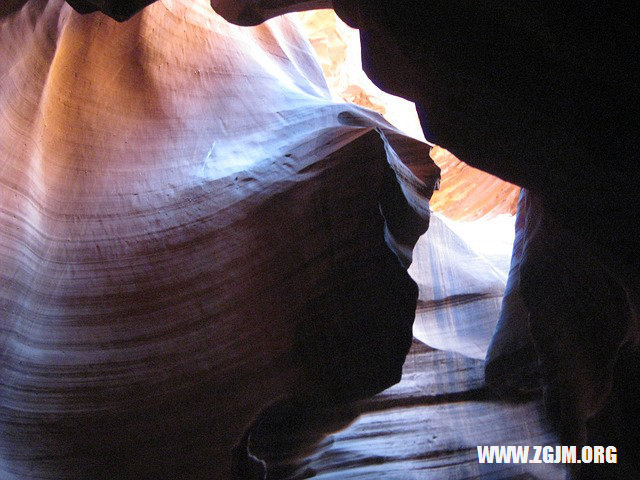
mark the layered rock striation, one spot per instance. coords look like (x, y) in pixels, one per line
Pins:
(544, 96)
(191, 231)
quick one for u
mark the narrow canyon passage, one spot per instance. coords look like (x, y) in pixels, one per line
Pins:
(225, 253)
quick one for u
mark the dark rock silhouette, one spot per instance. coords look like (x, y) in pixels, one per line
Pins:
(545, 96)
(191, 231)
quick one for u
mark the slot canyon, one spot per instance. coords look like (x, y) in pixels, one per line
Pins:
(333, 239)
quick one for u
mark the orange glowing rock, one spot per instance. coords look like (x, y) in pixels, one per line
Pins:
(465, 193)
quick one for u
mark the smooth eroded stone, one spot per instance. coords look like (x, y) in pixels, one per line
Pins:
(191, 230)
(545, 96)
(511, 360)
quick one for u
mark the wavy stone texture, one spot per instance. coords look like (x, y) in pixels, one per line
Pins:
(465, 193)
(469, 194)
(546, 96)
(191, 230)
(426, 427)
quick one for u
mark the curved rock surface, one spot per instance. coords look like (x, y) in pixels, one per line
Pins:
(191, 231)
(465, 193)
(545, 96)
